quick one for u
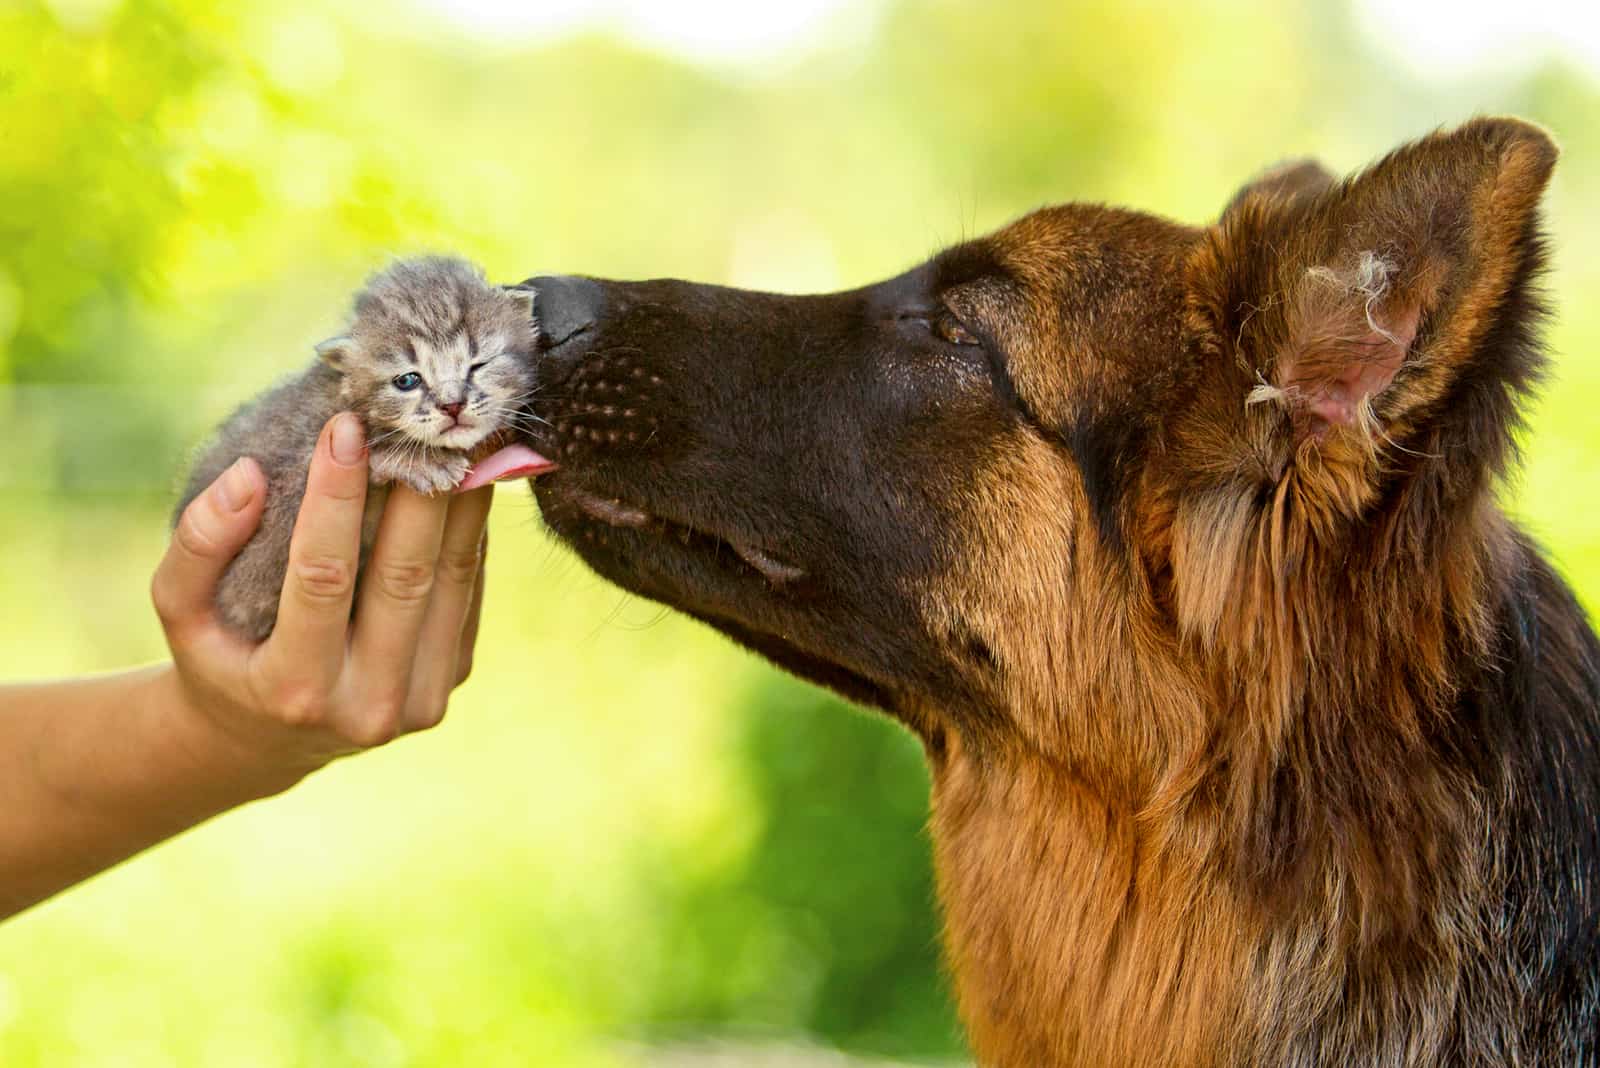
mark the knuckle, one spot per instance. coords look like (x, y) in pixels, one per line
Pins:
(301, 705)
(370, 735)
(430, 713)
(386, 705)
(378, 723)
(460, 566)
(323, 579)
(464, 669)
(404, 580)
(164, 602)
(344, 488)
(191, 534)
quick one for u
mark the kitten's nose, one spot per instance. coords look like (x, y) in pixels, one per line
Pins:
(565, 305)
(453, 409)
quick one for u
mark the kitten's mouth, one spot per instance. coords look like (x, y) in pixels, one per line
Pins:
(460, 436)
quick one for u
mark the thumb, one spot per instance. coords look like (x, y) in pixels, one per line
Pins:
(209, 535)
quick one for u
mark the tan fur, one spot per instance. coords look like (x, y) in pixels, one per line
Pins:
(1259, 735)
(1102, 866)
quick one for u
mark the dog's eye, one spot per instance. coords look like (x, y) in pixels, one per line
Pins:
(951, 329)
(407, 382)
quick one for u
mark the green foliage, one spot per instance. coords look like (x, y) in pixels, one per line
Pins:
(85, 168)
(826, 926)
(626, 829)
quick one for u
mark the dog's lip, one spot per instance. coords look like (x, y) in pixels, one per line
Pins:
(615, 512)
(777, 571)
(609, 510)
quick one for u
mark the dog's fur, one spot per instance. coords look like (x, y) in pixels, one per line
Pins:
(1259, 735)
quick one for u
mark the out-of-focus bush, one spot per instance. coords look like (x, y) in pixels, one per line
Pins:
(824, 925)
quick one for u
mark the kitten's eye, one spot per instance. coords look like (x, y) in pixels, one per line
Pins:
(950, 328)
(407, 382)
(475, 368)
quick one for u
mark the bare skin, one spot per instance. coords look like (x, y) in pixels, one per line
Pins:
(92, 771)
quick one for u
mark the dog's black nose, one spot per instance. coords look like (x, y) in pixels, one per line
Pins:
(565, 305)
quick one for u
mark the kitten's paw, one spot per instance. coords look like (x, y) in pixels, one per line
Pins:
(426, 471)
(439, 474)
(385, 466)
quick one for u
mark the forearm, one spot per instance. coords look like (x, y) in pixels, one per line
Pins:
(92, 771)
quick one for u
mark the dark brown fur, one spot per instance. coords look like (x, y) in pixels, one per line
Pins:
(1259, 734)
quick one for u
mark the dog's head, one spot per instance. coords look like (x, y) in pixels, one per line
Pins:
(976, 493)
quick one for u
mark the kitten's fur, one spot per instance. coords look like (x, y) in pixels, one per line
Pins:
(466, 341)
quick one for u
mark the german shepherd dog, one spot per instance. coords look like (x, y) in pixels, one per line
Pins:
(1258, 733)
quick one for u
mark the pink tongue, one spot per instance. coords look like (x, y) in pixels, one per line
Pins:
(513, 461)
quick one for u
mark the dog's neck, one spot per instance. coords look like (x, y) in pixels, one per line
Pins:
(1266, 818)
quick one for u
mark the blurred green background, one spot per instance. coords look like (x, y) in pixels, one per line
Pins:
(628, 836)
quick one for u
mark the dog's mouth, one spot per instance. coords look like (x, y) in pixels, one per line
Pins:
(616, 513)
(728, 580)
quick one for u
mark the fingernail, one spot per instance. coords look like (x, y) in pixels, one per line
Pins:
(235, 487)
(348, 440)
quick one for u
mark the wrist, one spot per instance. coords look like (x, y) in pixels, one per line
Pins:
(215, 757)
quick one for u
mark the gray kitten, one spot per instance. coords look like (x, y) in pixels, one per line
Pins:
(436, 362)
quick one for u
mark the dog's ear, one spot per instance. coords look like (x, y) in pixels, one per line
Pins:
(1352, 308)
(1287, 180)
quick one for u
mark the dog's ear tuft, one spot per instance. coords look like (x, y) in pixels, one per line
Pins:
(1358, 304)
(1348, 333)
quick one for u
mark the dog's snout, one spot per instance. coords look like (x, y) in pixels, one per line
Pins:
(565, 305)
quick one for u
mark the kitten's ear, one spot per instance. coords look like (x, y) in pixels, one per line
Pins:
(1361, 304)
(336, 351)
(522, 296)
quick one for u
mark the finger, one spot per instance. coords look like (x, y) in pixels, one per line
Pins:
(324, 552)
(210, 533)
(433, 672)
(469, 629)
(395, 592)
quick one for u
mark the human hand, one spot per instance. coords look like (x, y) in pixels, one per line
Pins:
(320, 686)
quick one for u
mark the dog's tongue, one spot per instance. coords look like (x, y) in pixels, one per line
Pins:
(513, 461)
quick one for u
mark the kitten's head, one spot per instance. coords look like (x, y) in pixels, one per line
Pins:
(436, 354)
